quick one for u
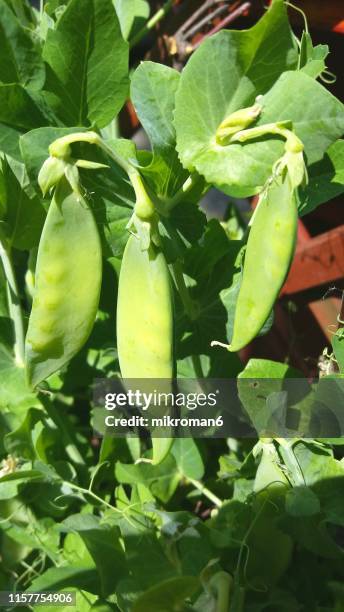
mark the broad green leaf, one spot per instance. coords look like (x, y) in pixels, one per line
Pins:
(153, 90)
(87, 64)
(19, 108)
(265, 368)
(22, 11)
(14, 391)
(20, 60)
(102, 542)
(301, 501)
(10, 483)
(326, 179)
(318, 120)
(37, 534)
(132, 15)
(25, 215)
(188, 458)
(330, 491)
(162, 480)
(260, 390)
(312, 534)
(59, 578)
(19, 111)
(317, 464)
(19, 442)
(167, 596)
(226, 73)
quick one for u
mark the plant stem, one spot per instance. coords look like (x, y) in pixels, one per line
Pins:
(197, 366)
(291, 461)
(14, 305)
(190, 182)
(203, 489)
(160, 14)
(96, 497)
(123, 163)
(183, 291)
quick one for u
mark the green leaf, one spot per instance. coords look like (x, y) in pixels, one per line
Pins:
(326, 179)
(13, 389)
(132, 15)
(19, 108)
(161, 479)
(167, 596)
(318, 120)
(188, 458)
(10, 483)
(87, 58)
(301, 501)
(25, 215)
(226, 73)
(19, 442)
(102, 542)
(20, 60)
(260, 389)
(153, 90)
(317, 464)
(19, 111)
(59, 578)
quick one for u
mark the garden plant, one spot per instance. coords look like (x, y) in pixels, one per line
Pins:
(110, 269)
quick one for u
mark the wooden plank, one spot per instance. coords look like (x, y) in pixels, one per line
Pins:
(318, 261)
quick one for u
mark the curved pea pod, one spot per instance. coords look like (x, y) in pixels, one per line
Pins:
(67, 285)
(268, 256)
(145, 323)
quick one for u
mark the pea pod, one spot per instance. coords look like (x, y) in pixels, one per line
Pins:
(269, 252)
(144, 313)
(145, 322)
(67, 285)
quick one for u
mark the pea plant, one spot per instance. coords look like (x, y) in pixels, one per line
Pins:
(110, 268)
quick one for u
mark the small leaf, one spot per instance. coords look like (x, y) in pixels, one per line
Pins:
(301, 501)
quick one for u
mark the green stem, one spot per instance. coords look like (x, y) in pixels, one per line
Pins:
(61, 148)
(291, 461)
(93, 495)
(123, 163)
(189, 305)
(293, 143)
(190, 182)
(160, 14)
(14, 305)
(197, 366)
(203, 489)
(222, 581)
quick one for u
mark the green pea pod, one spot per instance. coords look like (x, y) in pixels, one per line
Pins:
(145, 322)
(268, 256)
(144, 314)
(67, 285)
